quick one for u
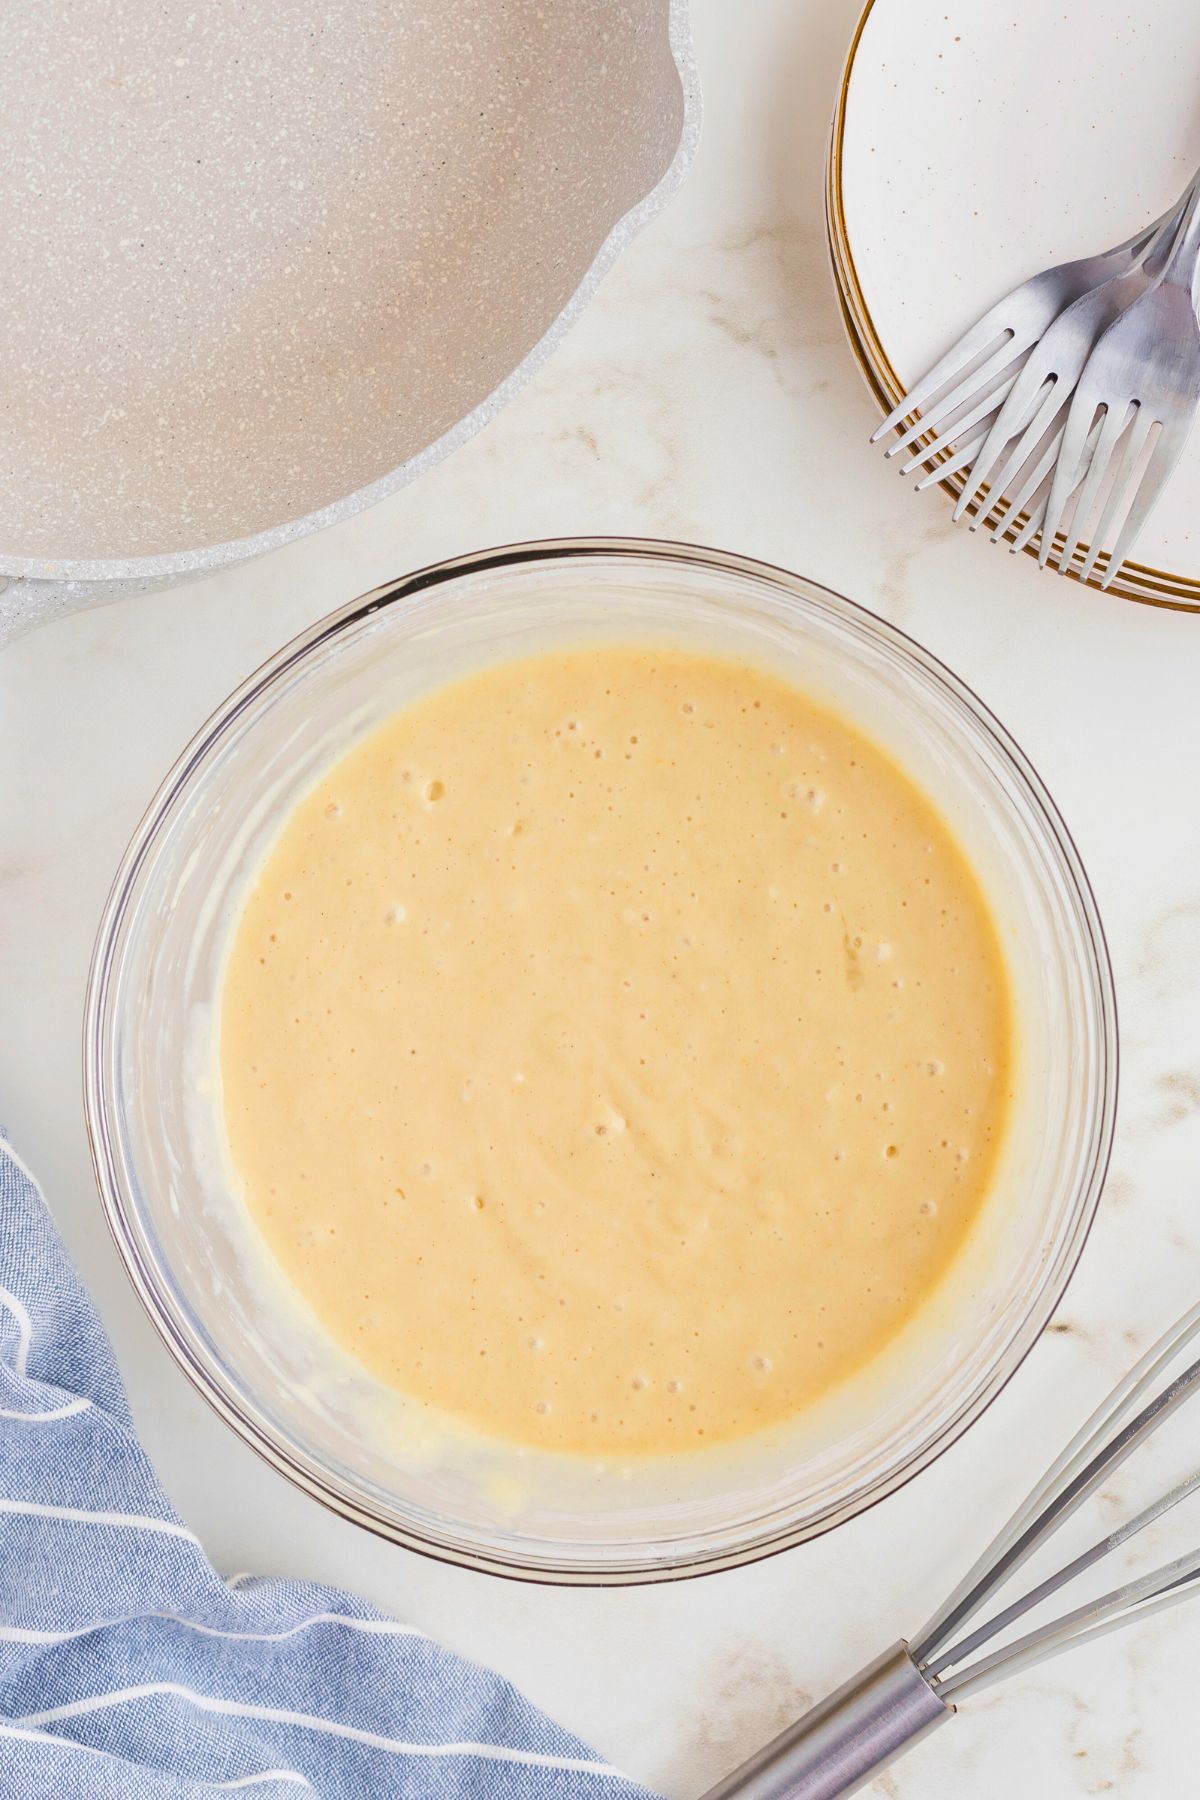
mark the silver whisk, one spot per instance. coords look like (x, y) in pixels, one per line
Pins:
(900, 1697)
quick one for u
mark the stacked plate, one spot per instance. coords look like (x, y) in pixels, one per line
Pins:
(987, 142)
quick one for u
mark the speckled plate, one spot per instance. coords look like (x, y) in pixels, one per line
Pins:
(262, 264)
(974, 145)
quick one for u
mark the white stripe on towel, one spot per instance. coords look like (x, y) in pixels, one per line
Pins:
(381, 1627)
(278, 1715)
(133, 1521)
(22, 1168)
(28, 1634)
(24, 1329)
(65, 1411)
(245, 1781)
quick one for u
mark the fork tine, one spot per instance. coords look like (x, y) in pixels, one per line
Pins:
(1022, 456)
(977, 423)
(966, 390)
(943, 471)
(1164, 456)
(962, 456)
(1070, 467)
(953, 450)
(1116, 418)
(1022, 401)
(1025, 408)
(1032, 482)
(953, 434)
(1033, 521)
(982, 335)
(1123, 477)
(1046, 462)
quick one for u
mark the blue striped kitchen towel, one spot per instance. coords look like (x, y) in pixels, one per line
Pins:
(130, 1669)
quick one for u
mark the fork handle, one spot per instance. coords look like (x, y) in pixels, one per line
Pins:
(1142, 243)
(1184, 252)
(843, 1742)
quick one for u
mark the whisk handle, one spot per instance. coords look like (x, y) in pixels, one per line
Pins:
(845, 1740)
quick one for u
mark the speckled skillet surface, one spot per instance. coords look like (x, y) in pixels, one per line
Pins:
(258, 256)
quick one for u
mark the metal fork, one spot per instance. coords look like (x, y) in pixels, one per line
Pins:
(1142, 378)
(960, 382)
(1047, 380)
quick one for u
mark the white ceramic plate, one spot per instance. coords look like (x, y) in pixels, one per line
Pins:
(973, 146)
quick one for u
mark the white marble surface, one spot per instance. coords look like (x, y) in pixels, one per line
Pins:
(707, 394)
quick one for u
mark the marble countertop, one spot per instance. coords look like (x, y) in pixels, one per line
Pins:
(707, 394)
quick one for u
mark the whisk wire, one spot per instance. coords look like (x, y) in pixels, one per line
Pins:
(1166, 1586)
(1053, 1583)
(1070, 1478)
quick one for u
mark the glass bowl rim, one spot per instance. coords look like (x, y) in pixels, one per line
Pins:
(223, 1394)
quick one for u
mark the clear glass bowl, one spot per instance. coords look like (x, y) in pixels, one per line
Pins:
(153, 1110)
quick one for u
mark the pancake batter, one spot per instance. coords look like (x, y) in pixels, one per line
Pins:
(615, 1049)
